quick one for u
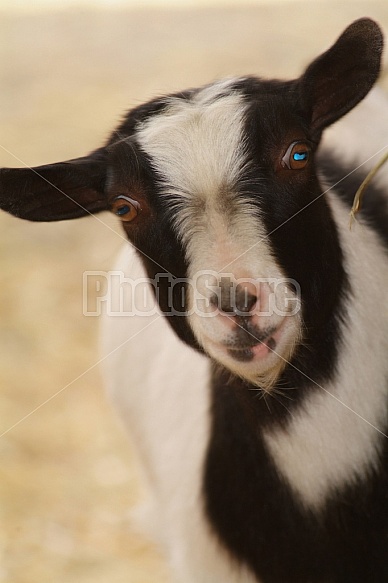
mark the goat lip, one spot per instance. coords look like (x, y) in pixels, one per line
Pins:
(260, 349)
(243, 355)
(248, 352)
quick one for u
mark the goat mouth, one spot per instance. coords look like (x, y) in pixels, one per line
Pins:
(259, 349)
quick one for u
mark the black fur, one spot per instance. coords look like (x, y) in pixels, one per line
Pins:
(261, 522)
(251, 508)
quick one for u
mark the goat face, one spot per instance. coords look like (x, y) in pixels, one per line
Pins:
(217, 189)
(216, 179)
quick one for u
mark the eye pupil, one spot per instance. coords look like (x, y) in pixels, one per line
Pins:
(297, 156)
(123, 210)
(126, 208)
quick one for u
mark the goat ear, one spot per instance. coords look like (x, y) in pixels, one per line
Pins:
(341, 77)
(55, 192)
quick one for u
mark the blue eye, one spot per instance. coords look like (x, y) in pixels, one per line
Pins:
(123, 210)
(300, 156)
(126, 208)
(297, 156)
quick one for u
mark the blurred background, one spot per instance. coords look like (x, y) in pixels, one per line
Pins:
(68, 72)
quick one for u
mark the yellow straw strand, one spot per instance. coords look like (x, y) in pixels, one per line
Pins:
(360, 192)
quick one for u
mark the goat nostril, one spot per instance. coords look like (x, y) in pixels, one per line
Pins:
(245, 300)
(239, 300)
(222, 302)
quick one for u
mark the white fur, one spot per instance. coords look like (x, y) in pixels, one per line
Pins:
(159, 387)
(197, 144)
(334, 439)
(198, 148)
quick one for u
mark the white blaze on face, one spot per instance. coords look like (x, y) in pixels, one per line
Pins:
(198, 147)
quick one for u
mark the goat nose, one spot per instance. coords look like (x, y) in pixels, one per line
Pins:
(223, 302)
(235, 300)
(246, 297)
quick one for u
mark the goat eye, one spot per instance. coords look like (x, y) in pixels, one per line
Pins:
(125, 208)
(297, 156)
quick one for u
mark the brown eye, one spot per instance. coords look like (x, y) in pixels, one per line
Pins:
(296, 156)
(125, 208)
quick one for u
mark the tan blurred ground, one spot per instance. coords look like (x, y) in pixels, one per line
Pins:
(67, 481)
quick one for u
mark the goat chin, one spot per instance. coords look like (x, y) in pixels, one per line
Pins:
(263, 377)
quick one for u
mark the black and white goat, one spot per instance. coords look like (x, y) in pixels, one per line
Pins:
(223, 184)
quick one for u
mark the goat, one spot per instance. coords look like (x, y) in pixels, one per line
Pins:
(262, 433)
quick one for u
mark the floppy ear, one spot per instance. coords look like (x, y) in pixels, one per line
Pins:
(341, 77)
(55, 192)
